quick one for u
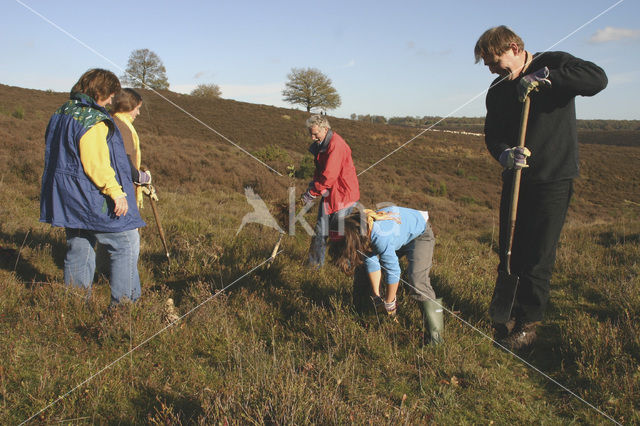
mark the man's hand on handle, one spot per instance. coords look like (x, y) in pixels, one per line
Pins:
(533, 82)
(515, 158)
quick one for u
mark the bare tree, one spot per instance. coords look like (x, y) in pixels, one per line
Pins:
(145, 69)
(207, 91)
(311, 88)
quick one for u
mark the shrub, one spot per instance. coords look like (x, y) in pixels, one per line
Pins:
(468, 200)
(307, 167)
(272, 153)
(438, 189)
(18, 113)
(207, 91)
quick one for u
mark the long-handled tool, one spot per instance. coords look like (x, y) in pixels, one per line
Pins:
(151, 192)
(504, 292)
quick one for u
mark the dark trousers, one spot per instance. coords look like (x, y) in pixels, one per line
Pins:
(542, 209)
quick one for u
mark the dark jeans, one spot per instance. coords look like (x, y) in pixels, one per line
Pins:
(542, 209)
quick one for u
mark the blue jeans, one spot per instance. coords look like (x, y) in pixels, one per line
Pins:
(321, 230)
(123, 248)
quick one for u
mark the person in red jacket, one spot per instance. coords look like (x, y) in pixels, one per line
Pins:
(334, 181)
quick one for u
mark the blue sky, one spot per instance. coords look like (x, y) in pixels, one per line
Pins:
(393, 59)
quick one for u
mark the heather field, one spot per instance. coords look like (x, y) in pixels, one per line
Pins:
(289, 345)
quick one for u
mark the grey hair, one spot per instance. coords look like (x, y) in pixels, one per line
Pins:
(318, 120)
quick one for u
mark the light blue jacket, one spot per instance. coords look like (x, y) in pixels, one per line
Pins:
(388, 236)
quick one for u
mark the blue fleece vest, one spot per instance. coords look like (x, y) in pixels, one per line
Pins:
(68, 197)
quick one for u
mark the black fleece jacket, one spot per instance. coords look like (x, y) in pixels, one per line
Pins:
(551, 131)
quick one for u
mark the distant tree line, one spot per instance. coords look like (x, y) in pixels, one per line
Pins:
(476, 124)
(378, 119)
(608, 124)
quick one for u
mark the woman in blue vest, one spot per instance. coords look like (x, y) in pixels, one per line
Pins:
(375, 240)
(87, 187)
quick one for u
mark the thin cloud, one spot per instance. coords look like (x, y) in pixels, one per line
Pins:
(350, 64)
(421, 51)
(204, 74)
(613, 34)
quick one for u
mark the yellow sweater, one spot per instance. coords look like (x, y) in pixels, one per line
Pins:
(131, 144)
(94, 155)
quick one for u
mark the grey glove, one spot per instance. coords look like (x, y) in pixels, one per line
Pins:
(533, 81)
(144, 178)
(307, 198)
(515, 158)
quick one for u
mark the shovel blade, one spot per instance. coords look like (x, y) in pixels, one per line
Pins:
(504, 295)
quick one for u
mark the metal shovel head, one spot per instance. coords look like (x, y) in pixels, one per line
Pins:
(504, 295)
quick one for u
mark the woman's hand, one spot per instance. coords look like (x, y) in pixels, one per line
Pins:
(122, 207)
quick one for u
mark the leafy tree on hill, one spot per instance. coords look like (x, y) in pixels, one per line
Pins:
(311, 88)
(145, 70)
(207, 91)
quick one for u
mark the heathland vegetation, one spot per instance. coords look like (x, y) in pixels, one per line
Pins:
(286, 344)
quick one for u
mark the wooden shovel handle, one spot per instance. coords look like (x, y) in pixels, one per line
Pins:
(159, 226)
(515, 191)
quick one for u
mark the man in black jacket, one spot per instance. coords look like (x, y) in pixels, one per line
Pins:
(549, 162)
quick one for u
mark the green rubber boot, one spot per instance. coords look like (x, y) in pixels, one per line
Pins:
(433, 320)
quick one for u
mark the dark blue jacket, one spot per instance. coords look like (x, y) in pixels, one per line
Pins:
(68, 197)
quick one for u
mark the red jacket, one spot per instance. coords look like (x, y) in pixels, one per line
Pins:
(335, 174)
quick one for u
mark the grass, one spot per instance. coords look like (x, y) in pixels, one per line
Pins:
(287, 344)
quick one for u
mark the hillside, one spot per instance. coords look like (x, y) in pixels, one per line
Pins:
(285, 344)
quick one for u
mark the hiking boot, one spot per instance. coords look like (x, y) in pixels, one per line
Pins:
(522, 337)
(502, 331)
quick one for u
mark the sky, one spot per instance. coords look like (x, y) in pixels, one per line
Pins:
(402, 58)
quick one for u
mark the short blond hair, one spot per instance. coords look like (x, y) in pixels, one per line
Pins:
(495, 41)
(318, 120)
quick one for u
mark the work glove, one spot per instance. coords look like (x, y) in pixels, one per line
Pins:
(515, 158)
(533, 81)
(307, 198)
(390, 308)
(144, 178)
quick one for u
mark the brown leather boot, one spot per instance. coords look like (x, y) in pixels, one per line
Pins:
(522, 336)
